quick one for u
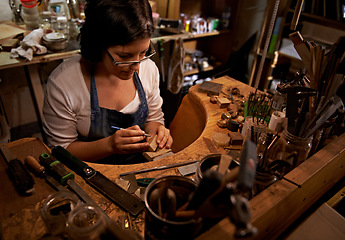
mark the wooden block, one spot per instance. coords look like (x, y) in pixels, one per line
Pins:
(153, 144)
(236, 138)
(151, 155)
(223, 102)
(210, 88)
(9, 44)
(224, 163)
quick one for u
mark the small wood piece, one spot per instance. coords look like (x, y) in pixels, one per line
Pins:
(221, 139)
(210, 88)
(224, 163)
(223, 102)
(236, 138)
(9, 44)
(153, 144)
(213, 99)
(151, 155)
(222, 123)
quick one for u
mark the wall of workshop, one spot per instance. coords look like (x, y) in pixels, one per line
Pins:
(17, 100)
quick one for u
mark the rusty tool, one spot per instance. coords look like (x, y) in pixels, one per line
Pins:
(20, 176)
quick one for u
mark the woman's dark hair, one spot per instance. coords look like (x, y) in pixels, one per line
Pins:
(113, 22)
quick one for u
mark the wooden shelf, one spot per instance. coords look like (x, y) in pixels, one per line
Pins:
(196, 71)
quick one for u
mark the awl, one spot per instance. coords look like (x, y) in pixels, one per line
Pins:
(21, 178)
(111, 190)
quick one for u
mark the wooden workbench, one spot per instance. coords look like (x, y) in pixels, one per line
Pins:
(273, 210)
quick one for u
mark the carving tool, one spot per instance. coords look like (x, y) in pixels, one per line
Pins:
(21, 178)
(111, 190)
(119, 128)
(159, 168)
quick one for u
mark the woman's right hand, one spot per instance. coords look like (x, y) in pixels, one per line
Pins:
(129, 140)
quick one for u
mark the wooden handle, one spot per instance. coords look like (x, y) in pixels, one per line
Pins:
(34, 165)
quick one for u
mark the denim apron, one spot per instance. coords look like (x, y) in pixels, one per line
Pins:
(102, 119)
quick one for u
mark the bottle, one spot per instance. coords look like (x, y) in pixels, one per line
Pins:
(30, 14)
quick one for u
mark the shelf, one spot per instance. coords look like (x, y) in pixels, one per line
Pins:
(196, 71)
(188, 35)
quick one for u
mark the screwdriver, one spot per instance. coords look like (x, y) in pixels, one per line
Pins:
(21, 178)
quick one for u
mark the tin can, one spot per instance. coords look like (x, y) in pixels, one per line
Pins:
(159, 227)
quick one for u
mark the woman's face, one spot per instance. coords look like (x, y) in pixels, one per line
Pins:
(116, 55)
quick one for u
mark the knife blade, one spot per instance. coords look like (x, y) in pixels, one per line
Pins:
(97, 180)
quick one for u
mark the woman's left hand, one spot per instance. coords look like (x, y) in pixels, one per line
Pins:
(163, 137)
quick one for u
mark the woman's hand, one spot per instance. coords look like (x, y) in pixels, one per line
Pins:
(163, 134)
(129, 140)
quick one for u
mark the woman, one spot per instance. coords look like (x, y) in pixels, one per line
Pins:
(113, 84)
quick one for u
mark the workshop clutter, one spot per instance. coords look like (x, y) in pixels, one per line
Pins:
(178, 207)
(290, 125)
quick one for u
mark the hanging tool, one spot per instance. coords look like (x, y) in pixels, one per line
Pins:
(161, 57)
(20, 176)
(114, 192)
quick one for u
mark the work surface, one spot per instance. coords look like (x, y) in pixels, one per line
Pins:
(273, 210)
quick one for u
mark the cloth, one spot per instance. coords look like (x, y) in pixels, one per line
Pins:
(67, 110)
(30, 45)
(102, 119)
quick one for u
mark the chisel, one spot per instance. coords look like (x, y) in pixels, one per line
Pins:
(59, 172)
(110, 189)
(20, 176)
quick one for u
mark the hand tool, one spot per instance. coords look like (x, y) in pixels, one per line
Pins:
(119, 128)
(294, 95)
(159, 167)
(21, 178)
(40, 171)
(113, 231)
(337, 104)
(111, 190)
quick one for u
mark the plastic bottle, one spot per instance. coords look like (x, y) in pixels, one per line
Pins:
(30, 14)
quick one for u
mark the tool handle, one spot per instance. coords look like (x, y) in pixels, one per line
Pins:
(73, 162)
(57, 169)
(21, 178)
(34, 165)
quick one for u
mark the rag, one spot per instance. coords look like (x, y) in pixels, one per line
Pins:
(29, 46)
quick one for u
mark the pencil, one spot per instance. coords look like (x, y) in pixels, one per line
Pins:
(119, 128)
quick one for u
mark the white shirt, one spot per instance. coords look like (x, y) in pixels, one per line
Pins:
(67, 110)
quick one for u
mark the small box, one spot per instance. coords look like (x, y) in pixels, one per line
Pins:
(223, 102)
(236, 138)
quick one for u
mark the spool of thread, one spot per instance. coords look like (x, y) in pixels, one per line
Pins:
(277, 121)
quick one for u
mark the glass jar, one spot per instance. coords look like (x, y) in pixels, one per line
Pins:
(86, 222)
(252, 129)
(265, 140)
(289, 143)
(55, 210)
